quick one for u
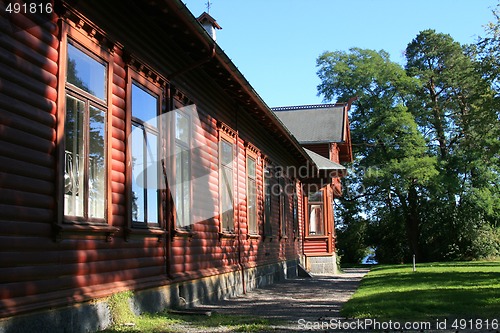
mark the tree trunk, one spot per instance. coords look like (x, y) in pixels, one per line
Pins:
(413, 223)
(412, 220)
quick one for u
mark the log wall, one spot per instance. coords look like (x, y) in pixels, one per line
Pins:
(45, 263)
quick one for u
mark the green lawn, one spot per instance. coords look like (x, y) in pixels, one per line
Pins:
(435, 290)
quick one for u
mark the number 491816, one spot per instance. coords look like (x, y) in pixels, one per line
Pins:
(29, 8)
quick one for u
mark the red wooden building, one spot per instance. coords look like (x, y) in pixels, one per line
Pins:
(134, 156)
(326, 138)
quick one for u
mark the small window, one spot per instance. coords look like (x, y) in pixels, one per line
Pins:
(182, 171)
(316, 219)
(252, 195)
(226, 156)
(85, 125)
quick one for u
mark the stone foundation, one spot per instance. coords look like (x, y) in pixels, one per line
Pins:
(322, 265)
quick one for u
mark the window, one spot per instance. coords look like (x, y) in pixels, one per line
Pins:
(295, 215)
(315, 205)
(252, 195)
(268, 201)
(182, 170)
(283, 207)
(226, 189)
(144, 154)
(85, 125)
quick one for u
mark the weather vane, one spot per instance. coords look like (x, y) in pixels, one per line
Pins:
(208, 4)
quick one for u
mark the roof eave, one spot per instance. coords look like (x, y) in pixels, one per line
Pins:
(238, 77)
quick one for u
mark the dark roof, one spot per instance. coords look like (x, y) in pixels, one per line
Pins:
(152, 30)
(323, 123)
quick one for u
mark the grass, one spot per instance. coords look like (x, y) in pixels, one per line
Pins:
(168, 323)
(434, 291)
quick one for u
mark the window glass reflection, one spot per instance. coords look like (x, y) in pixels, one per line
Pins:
(97, 163)
(74, 158)
(144, 105)
(181, 127)
(316, 226)
(182, 187)
(226, 185)
(138, 177)
(86, 73)
(152, 177)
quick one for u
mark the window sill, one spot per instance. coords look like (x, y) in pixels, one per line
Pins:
(254, 236)
(270, 237)
(227, 234)
(79, 229)
(317, 237)
(184, 233)
(144, 232)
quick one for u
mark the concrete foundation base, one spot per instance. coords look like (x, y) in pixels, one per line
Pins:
(322, 265)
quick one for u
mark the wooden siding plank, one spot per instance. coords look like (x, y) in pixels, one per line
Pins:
(21, 198)
(75, 282)
(16, 106)
(24, 213)
(21, 93)
(27, 140)
(47, 46)
(29, 184)
(25, 67)
(27, 51)
(29, 82)
(22, 168)
(32, 128)
(20, 274)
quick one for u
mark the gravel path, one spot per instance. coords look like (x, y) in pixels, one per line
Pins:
(283, 304)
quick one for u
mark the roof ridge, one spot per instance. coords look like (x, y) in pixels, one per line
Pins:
(306, 107)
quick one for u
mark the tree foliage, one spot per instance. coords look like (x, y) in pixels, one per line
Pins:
(426, 144)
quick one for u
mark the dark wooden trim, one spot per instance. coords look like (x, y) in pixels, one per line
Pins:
(225, 133)
(62, 230)
(84, 43)
(155, 88)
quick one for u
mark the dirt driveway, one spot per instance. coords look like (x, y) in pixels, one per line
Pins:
(290, 305)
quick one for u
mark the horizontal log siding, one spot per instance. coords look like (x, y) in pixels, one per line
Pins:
(315, 246)
(203, 252)
(28, 86)
(118, 140)
(37, 272)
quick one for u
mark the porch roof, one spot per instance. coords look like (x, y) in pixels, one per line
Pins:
(324, 164)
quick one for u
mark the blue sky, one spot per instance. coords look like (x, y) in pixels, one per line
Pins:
(275, 43)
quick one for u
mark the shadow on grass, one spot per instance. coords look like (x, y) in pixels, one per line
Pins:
(426, 304)
(423, 280)
(437, 290)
